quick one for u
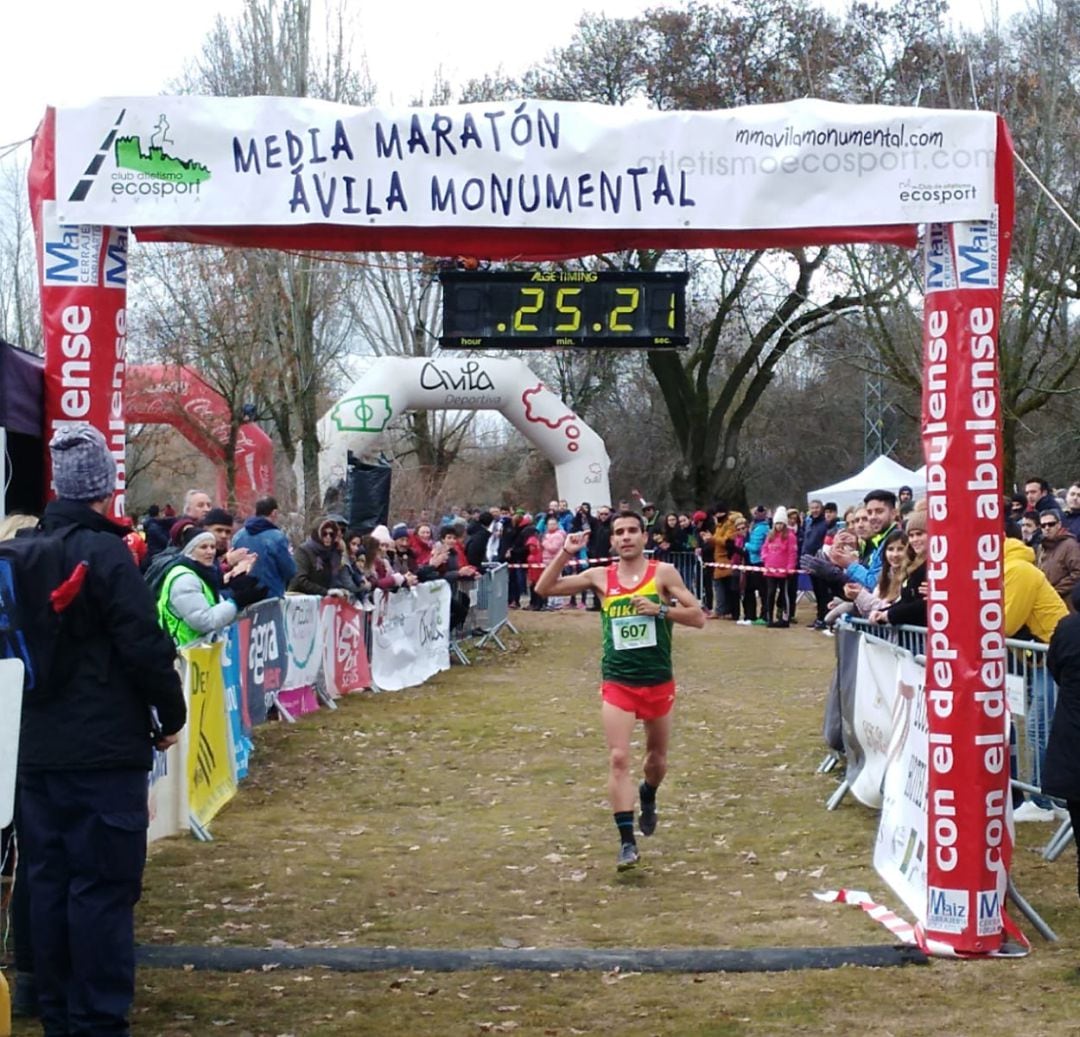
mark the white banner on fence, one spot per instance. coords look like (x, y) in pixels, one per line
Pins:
(900, 850)
(266, 161)
(11, 691)
(410, 635)
(874, 719)
(302, 644)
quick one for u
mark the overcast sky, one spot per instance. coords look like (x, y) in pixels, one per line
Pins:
(70, 51)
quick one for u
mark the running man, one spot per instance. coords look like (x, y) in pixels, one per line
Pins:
(641, 599)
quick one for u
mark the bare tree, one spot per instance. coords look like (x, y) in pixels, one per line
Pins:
(20, 307)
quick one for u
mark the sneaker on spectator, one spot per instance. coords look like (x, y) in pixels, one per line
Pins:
(742, 622)
(1032, 812)
(758, 623)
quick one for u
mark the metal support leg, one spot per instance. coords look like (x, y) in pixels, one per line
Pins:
(1058, 841)
(837, 797)
(1030, 913)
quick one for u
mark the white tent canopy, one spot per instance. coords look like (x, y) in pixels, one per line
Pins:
(881, 474)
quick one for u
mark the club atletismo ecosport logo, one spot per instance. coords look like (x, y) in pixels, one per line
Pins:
(156, 171)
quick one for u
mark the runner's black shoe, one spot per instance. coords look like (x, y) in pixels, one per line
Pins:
(647, 819)
(628, 856)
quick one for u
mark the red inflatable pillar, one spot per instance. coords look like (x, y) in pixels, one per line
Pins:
(83, 276)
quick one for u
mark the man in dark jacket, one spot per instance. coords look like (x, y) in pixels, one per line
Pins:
(84, 753)
(274, 567)
(815, 530)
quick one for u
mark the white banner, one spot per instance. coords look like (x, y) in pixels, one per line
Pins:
(11, 692)
(874, 716)
(303, 647)
(264, 161)
(410, 636)
(900, 850)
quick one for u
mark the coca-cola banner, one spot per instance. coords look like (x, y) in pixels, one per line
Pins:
(83, 275)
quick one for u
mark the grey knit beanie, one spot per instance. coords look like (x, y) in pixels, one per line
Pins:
(82, 467)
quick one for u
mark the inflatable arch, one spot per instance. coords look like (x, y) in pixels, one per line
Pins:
(397, 384)
(157, 394)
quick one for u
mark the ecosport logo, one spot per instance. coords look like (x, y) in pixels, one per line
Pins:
(154, 172)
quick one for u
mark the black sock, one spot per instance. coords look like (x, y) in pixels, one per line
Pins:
(624, 821)
(648, 792)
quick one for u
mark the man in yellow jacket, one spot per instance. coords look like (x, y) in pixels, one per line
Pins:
(1032, 610)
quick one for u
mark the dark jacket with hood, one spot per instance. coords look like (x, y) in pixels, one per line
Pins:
(119, 662)
(275, 566)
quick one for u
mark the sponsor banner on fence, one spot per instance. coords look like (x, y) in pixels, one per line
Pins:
(873, 717)
(410, 636)
(11, 691)
(265, 658)
(231, 671)
(302, 649)
(167, 796)
(264, 161)
(211, 780)
(901, 849)
(345, 661)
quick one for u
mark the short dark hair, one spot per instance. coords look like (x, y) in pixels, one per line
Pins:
(1043, 484)
(830, 505)
(885, 496)
(485, 518)
(626, 513)
(266, 506)
(153, 511)
(1013, 530)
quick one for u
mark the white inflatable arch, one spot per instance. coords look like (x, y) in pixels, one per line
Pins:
(397, 384)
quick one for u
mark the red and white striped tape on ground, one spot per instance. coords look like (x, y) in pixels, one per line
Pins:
(907, 933)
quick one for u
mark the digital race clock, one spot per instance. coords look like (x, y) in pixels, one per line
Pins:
(537, 308)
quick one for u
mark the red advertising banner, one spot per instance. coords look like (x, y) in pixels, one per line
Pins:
(83, 277)
(345, 660)
(969, 832)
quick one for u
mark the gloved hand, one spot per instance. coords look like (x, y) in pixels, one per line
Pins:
(822, 568)
(245, 590)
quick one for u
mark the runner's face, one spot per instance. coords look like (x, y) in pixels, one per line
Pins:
(628, 538)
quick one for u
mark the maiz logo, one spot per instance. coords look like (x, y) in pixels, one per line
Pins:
(362, 413)
(157, 170)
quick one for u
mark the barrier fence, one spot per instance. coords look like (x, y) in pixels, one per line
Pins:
(875, 720)
(286, 657)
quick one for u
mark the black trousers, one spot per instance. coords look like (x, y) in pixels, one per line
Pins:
(84, 835)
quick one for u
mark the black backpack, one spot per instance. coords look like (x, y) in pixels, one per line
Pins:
(37, 589)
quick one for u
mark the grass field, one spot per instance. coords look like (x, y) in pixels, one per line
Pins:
(471, 813)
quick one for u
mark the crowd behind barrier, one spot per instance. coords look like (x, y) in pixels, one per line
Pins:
(285, 657)
(875, 720)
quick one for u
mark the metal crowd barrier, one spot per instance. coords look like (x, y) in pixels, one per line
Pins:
(1032, 695)
(489, 612)
(688, 564)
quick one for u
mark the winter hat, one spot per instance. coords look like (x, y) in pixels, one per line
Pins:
(381, 535)
(205, 537)
(217, 517)
(916, 520)
(700, 516)
(779, 516)
(400, 530)
(176, 530)
(82, 467)
(760, 512)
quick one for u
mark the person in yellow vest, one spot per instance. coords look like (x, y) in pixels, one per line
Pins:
(640, 599)
(190, 603)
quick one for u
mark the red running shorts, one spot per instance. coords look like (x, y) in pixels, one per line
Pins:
(645, 701)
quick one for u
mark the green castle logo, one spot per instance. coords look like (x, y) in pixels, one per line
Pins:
(157, 162)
